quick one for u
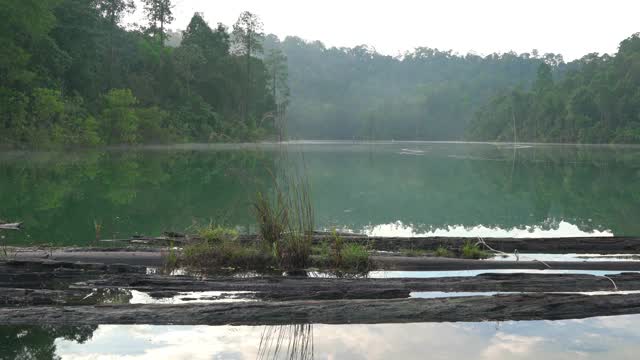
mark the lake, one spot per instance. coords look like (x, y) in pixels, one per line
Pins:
(380, 188)
(616, 337)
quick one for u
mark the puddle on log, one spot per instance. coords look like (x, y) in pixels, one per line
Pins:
(202, 297)
(456, 273)
(442, 294)
(616, 337)
(566, 257)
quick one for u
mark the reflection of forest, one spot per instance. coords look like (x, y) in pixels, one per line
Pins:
(60, 197)
(595, 189)
(37, 342)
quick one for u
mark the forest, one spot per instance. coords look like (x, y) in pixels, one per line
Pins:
(598, 101)
(72, 75)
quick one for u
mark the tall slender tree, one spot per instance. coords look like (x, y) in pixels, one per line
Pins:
(276, 64)
(159, 13)
(247, 41)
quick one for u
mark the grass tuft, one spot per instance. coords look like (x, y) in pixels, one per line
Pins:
(473, 251)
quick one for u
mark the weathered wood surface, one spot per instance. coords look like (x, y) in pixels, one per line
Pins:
(274, 287)
(491, 308)
(583, 245)
(596, 245)
(156, 258)
(403, 263)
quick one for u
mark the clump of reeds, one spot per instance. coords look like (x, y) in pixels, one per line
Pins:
(342, 257)
(286, 221)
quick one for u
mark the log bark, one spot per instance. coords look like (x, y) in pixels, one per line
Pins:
(469, 309)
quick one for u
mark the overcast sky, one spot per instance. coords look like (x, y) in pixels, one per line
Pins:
(570, 27)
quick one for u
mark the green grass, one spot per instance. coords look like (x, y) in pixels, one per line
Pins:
(355, 258)
(334, 253)
(473, 251)
(226, 254)
(215, 233)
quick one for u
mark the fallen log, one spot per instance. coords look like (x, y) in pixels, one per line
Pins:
(288, 288)
(580, 245)
(468, 309)
(403, 263)
(593, 245)
(156, 258)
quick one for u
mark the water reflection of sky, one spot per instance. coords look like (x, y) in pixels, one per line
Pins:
(563, 229)
(596, 338)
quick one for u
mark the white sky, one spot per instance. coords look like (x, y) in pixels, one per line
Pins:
(570, 27)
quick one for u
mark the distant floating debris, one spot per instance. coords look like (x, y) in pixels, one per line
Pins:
(469, 157)
(514, 146)
(411, 152)
(10, 226)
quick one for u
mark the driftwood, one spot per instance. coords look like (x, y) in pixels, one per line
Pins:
(489, 308)
(10, 226)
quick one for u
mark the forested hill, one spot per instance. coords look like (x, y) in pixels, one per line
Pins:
(357, 93)
(72, 75)
(597, 102)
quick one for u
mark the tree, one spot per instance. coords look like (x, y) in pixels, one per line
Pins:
(159, 13)
(119, 120)
(276, 64)
(112, 11)
(247, 41)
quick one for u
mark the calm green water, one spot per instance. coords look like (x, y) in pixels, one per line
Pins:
(382, 188)
(597, 338)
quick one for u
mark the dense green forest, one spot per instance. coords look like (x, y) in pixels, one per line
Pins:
(426, 94)
(72, 75)
(598, 101)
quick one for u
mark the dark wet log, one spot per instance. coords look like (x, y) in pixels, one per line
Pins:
(596, 245)
(69, 297)
(493, 308)
(274, 288)
(152, 257)
(403, 263)
(48, 274)
(156, 258)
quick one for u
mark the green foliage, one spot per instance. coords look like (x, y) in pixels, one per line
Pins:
(597, 101)
(119, 120)
(471, 250)
(71, 76)
(442, 251)
(225, 254)
(286, 223)
(341, 256)
(216, 233)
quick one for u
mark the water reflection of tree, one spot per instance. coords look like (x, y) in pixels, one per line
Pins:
(38, 342)
(291, 342)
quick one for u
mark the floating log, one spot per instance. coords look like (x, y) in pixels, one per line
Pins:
(468, 309)
(10, 226)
